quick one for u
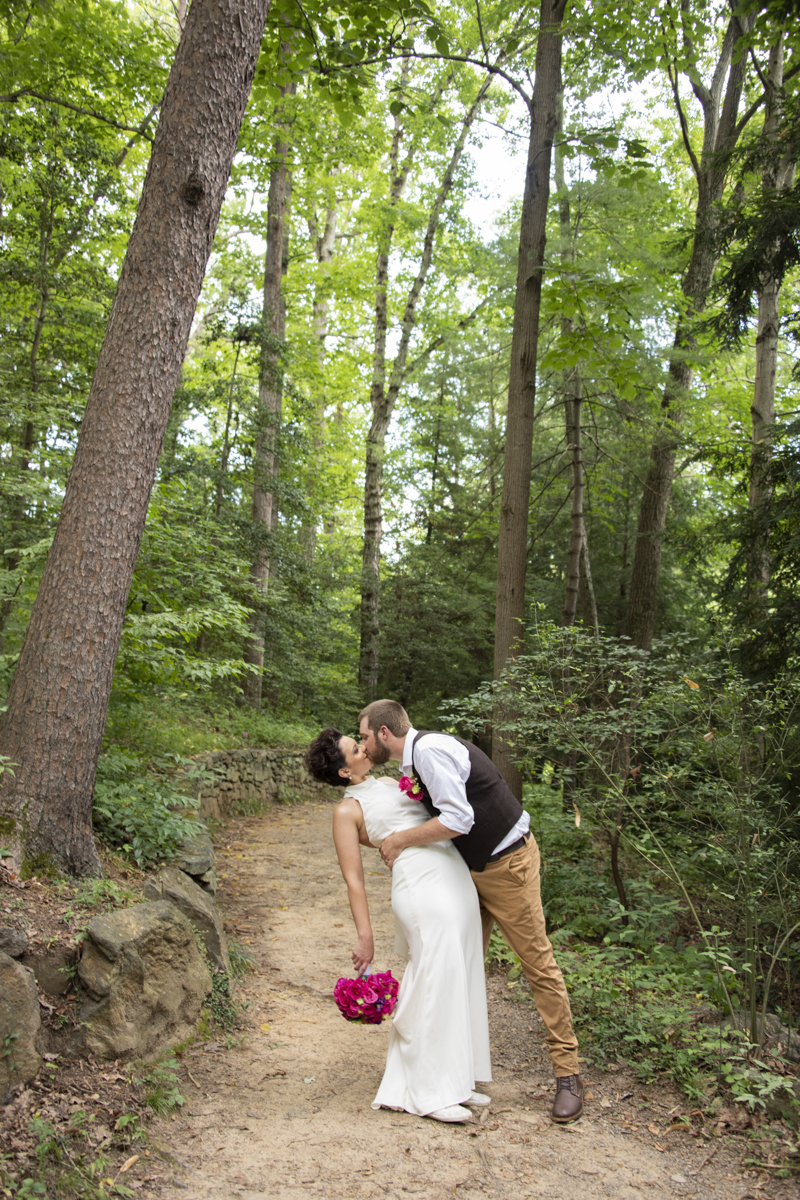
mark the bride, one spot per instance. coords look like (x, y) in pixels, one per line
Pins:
(439, 1044)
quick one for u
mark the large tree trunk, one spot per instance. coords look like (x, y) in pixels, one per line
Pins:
(512, 551)
(270, 399)
(59, 697)
(383, 398)
(721, 130)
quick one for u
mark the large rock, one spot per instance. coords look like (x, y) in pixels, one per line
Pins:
(145, 980)
(195, 856)
(182, 891)
(13, 942)
(53, 968)
(19, 1024)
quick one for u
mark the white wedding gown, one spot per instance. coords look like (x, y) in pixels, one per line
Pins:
(439, 1044)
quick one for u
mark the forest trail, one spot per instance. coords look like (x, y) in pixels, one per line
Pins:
(287, 1112)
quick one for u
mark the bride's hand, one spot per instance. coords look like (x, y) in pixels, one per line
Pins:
(363, 952)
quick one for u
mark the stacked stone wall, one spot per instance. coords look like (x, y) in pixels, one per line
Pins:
(236, 779)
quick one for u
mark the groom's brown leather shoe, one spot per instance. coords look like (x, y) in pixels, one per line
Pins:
(568, 1104)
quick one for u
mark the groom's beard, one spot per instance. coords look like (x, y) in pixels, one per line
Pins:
(380, 755)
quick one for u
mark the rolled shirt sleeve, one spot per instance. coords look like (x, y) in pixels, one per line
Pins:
(443, 763)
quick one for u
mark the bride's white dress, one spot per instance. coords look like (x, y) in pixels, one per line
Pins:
(439, 1044)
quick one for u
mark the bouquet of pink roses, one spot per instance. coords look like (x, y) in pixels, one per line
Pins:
(368, 999)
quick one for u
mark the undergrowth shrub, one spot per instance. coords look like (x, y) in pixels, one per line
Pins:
(138, 813)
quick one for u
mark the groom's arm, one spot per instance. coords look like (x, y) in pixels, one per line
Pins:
(418, 835)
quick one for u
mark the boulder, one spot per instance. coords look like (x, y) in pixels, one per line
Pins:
(13, 942)
(53, 968)
(208, 882)
(19, 1024)
(145, 982)
(182, 891)
(776, 1032)
(195, 856)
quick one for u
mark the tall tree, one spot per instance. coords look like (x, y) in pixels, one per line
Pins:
(384, 392)
(270, 389)
(58, 699)
(777, 175)
(722, 126)
(512, 551)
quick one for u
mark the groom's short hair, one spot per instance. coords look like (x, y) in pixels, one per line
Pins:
(388, 713)
(324, 758)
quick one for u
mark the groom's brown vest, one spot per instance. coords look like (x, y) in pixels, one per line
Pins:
(496, 808)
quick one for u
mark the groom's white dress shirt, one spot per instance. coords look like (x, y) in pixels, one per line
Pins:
(444, 765)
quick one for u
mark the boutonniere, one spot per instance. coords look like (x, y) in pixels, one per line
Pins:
(410, 787)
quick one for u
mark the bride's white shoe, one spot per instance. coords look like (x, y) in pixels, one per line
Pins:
(478, 1100)
(453, 1114)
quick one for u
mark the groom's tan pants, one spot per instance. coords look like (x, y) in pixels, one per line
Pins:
(510, 895)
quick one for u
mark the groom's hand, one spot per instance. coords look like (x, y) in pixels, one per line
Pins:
(391, 848)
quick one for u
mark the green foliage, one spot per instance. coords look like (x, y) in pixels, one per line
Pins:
(241, 959)
(141, 815)
(161, 1087)
(226, 1012)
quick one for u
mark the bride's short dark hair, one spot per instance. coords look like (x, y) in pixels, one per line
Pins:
(324, 758)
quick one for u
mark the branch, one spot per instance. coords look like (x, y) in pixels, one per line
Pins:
(425, 354)
(46, 98)
(313, 34)
(756, 105)
(759, 72)
(492, 68)
(682, 116)
(480, 29)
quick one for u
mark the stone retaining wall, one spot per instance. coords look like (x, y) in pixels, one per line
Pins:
(238, 779)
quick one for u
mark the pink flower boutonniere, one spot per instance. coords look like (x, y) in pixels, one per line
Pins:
(410, 787)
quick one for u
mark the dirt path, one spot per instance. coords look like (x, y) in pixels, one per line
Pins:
(287, 1113)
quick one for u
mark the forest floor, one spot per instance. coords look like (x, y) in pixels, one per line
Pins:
(285, 1109)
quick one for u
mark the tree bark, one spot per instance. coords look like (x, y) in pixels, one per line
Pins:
(778, 174)
(721, 130)
(270, 400)
(383, 398)
(512, 551)
(59, 696)
(324, 246)
(572, 389)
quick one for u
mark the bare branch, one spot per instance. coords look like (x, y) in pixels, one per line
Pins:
(673, 79)
(480, 29)
(46, 98)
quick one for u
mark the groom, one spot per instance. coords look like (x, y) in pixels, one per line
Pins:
(471, 804)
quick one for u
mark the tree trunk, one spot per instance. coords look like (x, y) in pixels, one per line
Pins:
(721, 131)
(383, 398)
(59, 696)
(512, 551)
(225, 453)
(324, 246)
(270, 398)
(777, 175)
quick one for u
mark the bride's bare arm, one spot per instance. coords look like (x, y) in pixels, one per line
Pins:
(346, 838)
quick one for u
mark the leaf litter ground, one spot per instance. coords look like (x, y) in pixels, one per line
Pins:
(282, 1107)
(287, 1112)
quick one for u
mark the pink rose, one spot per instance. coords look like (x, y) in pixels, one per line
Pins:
(410, 787)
